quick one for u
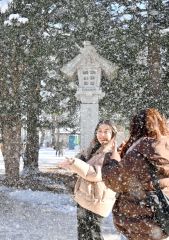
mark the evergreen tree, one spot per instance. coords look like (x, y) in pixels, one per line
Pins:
(12, 72)
(38, 38)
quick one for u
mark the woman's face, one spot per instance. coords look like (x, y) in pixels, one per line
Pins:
(104, 133)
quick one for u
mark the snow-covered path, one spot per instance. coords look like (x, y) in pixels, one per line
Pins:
(28, 215)
(23, 217)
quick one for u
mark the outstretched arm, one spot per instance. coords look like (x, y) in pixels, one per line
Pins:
(83, 169)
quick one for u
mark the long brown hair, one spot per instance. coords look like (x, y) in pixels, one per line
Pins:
(147, 123)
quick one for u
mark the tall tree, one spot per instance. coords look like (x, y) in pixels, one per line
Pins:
(12, 72)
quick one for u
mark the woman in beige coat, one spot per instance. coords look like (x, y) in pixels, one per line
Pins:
(94, 199)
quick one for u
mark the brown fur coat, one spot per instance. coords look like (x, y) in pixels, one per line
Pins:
(131, 180)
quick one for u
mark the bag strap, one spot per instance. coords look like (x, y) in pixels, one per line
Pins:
(153, 174)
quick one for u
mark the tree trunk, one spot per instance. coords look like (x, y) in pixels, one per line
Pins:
(42, 137)
(57, 135)
(11, 136)
(53, 134)
(32, 144)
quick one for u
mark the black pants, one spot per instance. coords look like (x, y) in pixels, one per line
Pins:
(89, 225)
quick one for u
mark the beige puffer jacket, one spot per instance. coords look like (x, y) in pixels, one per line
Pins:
(90, 191)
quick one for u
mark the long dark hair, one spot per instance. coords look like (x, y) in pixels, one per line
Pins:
(96, 143)
(147, 123)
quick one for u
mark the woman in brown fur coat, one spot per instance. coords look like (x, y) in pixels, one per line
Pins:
(128, 175)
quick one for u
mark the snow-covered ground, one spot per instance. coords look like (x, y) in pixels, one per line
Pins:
(47, 158)
(35, 215)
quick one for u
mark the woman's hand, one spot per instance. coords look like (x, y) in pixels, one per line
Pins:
(111, 150)
(115, 155)
(66, 163)
(114, 147)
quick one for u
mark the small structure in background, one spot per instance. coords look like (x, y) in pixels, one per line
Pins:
(74, 141)
(88, 66)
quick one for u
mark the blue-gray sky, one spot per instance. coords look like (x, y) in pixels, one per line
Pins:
(4, 4)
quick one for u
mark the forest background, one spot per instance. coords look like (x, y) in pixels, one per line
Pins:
(38, 37)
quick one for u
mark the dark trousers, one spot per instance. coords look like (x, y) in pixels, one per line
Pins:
(89, 225)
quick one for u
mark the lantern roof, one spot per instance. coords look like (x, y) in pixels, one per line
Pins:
(89, 58)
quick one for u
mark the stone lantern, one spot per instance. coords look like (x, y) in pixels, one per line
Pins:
(89, 66)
